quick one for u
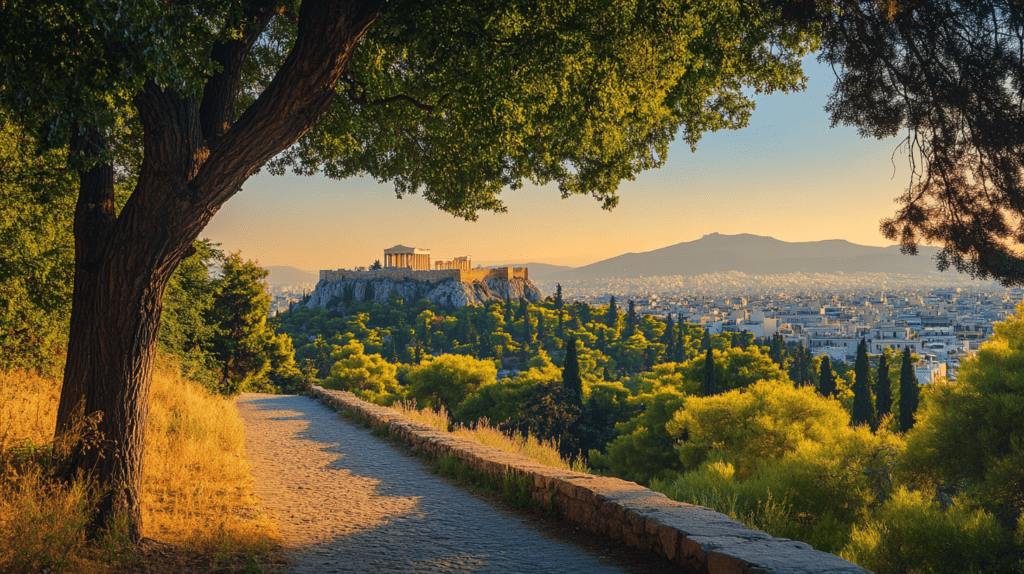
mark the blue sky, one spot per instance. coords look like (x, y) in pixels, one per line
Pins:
(786, 175)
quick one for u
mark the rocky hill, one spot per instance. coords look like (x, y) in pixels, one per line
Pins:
(448, 293)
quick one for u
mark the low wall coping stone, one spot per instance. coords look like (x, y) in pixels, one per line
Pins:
(695, 538)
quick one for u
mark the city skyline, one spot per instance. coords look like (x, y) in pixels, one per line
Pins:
(786, 175)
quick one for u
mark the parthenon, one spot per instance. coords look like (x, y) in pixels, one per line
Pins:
(407, 257)
(401, 262)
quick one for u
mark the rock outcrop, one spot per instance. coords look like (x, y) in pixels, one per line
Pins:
(448, 293)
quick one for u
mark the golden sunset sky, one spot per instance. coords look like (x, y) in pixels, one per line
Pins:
(786, 175)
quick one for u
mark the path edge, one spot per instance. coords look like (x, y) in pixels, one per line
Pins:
(695, 538)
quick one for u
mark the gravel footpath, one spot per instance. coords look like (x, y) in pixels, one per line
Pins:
(347, 501)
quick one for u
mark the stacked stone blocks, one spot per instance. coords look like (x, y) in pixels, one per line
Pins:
(433, 276)
(695, 538)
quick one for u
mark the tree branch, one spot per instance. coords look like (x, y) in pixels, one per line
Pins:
(361, 100)
(217, 112)
(296, 98)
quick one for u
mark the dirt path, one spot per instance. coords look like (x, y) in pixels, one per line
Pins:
(346, 501)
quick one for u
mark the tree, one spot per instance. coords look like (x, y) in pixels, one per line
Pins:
(187, 329)
(826, 378)
(946, 73)
(612, 317)
(968, 434)
(668, 339)
(239, 313)
(863, 409)
(908, 391)
(883, 388)
(571, 379)
(710, 386)
(368, 376)
(36, 250)
(447, 380)
(558, 296)
(195, 98)
(376, 265)
(631, 319)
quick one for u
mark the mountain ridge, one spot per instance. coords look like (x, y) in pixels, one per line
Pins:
(755, 255)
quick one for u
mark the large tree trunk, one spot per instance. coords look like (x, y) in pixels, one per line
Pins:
(112, 344)
(195, 158)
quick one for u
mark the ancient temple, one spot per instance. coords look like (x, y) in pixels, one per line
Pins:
(407, 257)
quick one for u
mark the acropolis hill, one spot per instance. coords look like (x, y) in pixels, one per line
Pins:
(407, 272)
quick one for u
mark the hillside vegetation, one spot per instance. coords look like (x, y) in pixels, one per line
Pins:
(859, 460)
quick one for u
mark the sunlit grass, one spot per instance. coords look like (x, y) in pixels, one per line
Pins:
(541, 451)
(197, 490)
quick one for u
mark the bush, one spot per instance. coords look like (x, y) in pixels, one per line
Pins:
(910, 533)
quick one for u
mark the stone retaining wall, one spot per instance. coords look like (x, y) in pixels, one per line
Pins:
(698, 539)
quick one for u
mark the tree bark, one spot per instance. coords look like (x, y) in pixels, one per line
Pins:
(194, 161)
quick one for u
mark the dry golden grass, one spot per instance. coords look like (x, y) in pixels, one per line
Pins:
(544, 452)
(197, 493)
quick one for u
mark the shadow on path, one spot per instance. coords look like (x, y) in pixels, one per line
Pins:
(347, 501)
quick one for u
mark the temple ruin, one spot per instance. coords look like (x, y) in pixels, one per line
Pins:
(401, 262)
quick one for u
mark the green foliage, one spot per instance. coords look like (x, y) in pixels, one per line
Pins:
(909, 391)
(447, 380)
(826, 378)
(710, 386)
(571, 380)
(370, 377)
(643, 449)
(768, 420)
(912, 533)
(244, 342)
(883, 387)
(863, 406)
(36, 250)
(735, 368)
(969, 433)
(185, 327)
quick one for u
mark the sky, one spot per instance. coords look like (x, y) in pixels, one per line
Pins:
(786, 175)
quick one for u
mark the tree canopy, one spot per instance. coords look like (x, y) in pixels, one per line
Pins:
(948, 75)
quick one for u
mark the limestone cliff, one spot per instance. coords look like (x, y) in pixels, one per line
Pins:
(447, 293)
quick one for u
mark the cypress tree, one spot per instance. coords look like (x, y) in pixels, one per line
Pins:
(669, 339)
(613, 313)
(561, 323)
(508, 314)
(680, 343)
(883, 388)
(705, 341)
(710, 384)
(826, 378)
(523, 309)
(863, 409)
(471, 338)
(631, 320)
(558, 296)
(571, 379)
(908, 392)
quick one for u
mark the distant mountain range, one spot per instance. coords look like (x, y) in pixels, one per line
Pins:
(287, 275)
(754, 255)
